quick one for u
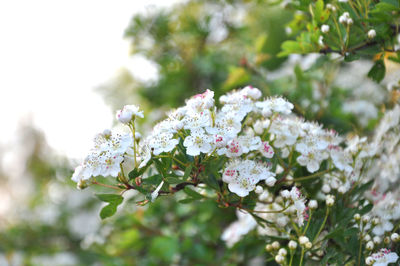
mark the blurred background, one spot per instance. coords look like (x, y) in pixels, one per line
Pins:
(67, 66)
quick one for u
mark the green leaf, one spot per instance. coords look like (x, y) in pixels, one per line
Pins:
(377, 72)
(152, 180)
(139, 171)
(290, 47)
(140, 189)
(211, 181)
(186, 201)
(351, 57)
(113, 202)
(160, 168)
(237, 76)
(110, 198)
(173, 180)
(188, 170)
(164, 247)
(190, 192)
(108, 211)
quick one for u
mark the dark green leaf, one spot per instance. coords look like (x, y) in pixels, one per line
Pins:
(173, 180)
(377, 72)
(192, 193)
(188, 170)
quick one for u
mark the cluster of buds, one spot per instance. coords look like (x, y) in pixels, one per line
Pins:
(330, 200)
(305, 242)
(346, 19)
(275, 249)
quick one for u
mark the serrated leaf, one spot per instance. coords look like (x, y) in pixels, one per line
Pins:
(190, 192)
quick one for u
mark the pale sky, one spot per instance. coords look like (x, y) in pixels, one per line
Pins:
(52, 55)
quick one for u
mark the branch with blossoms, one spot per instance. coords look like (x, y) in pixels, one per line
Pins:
(288, 178)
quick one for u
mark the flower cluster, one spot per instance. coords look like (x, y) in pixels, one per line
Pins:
(110, 150)
(254, 154)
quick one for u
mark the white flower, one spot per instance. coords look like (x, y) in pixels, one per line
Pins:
(197, 142)
(277, 104)
(163, 142)
(371, 34)
(311, 160)
(105, 157)
(325, 28)
(266, 150)
(236, 230)
(299, 204)
(201, 101)
(232, 149)
(78, 174)
(144, 154)
(341, 159)
(111, 164)
(383, 257)
(252, 92)
(249, 143)
(127, 113)
(242, 176)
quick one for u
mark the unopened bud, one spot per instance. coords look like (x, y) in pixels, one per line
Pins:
(357, 217)
(258, 190)
(377, 240)
(350, 21)
(370, 245)
(325, 28)
(138, 136)
(276, 245)
(308, 245)
(279, 259)
(82, 184)
(282, 252)
(326, 188)
(268, 247)
(395, 237)
(369, 261)
(365, 219)
(371, 34)
(330, 200)
(292, 244)
(313, 204)
(285, 194)
(303, 240)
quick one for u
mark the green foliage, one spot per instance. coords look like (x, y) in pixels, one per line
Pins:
(113, 202)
